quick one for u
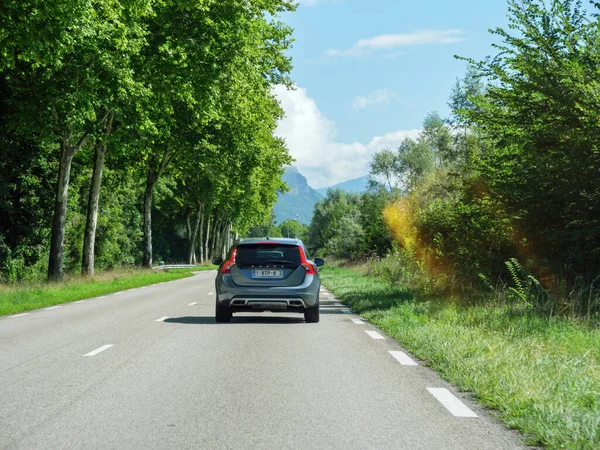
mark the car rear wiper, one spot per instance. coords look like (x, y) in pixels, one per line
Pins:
(279, 261)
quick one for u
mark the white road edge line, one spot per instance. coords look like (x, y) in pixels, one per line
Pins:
(19, 315)
(346, 311)
(211, 293)
(451, 403)
(103, 296)
(403, 358)
(99, 350)
(374, 334)
(162, 319)
(358, 321)
(50, 308)
(118, 293)
(80, 301)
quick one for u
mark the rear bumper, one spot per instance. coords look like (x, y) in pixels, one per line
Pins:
(259, 298)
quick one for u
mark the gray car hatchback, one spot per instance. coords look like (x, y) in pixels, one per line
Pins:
(272, 274)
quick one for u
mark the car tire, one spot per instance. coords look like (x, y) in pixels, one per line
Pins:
(222, 314)
(311, 315)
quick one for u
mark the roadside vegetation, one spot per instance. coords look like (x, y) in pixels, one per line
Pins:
(133, 132)
(477, 245)
(541, 375)
(17, 298)
(500, 200)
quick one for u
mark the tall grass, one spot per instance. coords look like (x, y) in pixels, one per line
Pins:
(541, 374)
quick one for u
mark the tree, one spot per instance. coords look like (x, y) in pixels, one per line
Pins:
(464, 101)
(293, 229)
(62, 76)
(438, 137)
(193, 63)
(416, 159)
(385, 165)
(540, 117)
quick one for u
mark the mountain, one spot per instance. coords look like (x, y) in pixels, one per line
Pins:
(355, 186)
(298, 203)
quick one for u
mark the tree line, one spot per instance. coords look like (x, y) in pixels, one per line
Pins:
(131, 129)
(505, 193)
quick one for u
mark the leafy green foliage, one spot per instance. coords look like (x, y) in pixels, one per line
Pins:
(540, 116)
(513, 175)
(190, 89)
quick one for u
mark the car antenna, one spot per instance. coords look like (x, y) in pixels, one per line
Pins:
(268, 238)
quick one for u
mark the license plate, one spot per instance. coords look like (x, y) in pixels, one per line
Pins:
(267, 273)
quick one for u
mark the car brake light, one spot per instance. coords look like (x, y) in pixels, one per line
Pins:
(229, 264)
(310, 270)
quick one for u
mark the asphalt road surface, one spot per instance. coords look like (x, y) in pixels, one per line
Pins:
(150, 369)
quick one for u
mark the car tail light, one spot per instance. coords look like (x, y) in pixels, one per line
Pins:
(230, 263)
(310, 270)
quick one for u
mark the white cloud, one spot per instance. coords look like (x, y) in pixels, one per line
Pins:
(393, 41)
(379, 96)
(311, 138)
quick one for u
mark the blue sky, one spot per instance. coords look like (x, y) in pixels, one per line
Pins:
(367, 73)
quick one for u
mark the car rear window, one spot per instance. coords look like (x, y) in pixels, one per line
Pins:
(267, 254)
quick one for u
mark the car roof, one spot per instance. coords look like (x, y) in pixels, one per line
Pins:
(280, 240)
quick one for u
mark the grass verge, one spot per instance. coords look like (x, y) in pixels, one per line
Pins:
(541, 375)
(25, 297)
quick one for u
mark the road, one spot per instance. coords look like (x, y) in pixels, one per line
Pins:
(150, 369)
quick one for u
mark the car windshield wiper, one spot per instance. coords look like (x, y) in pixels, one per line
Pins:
(279, 261)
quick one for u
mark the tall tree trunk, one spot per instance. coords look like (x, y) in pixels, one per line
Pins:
(87, 262)
(152, 178)
(224, 238)
(201, 257)
(148, 194)
(194, 232)
(55, 272)
(228, 237)
(215, 238)
(207, 253)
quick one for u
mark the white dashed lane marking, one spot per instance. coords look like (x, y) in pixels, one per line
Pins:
(20, 315)
(374, 334)
(162, 319)
(193, 303)
(99, 350)
(403, 358)
(358, 321)
(211, 293)
(451, 403)
(51, 308)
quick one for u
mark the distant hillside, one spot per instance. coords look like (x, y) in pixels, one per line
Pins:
(299, 202)
(356, 186)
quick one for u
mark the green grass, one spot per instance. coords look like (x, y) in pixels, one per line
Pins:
(541, 375)
(25, 297)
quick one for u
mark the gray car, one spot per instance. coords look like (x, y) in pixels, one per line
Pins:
(272, 274)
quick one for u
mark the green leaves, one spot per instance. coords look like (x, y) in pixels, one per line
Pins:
(189, 84)
(541, 114)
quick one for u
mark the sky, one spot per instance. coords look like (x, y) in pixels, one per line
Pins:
(367, 72)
